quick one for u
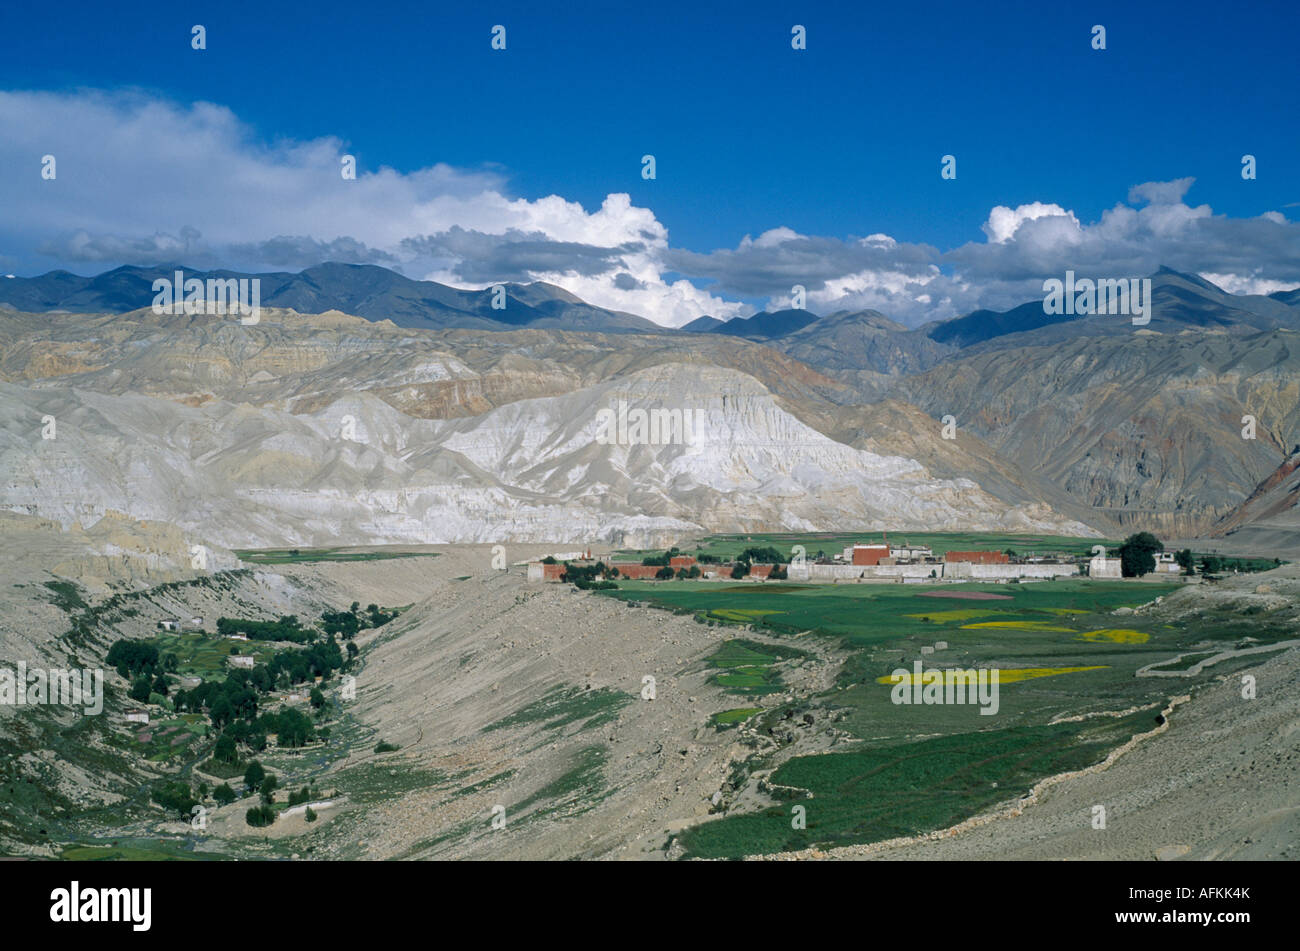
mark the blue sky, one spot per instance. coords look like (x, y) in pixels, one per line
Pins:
(834, 143)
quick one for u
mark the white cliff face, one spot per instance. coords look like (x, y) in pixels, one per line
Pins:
(360, 472)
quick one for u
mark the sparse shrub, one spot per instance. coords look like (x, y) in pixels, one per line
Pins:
(259, 816)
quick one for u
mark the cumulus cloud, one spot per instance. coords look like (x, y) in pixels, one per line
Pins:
(1004, 222)
(146, 181)
(141, 180)
(914, 283)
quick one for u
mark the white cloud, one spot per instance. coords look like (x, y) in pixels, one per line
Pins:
(1004, 222)
(1238, 284)
(142, 180)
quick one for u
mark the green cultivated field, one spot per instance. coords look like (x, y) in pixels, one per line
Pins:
(916, 768)
(205, 655)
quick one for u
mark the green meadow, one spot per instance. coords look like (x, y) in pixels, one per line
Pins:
(1059, 649)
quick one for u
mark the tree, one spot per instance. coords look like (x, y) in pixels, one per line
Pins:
(1137, 556)
(739, 570)
(1185, 561)
(317, 698)
(224, 751)
(260, 816)
(223, 794)
(254, 775)
(132, 657)
(175, 796)
(664, 574)
(222, 711)
(141, 688)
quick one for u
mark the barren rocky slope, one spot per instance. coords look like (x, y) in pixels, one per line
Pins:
(306, 431)
(1146, 429)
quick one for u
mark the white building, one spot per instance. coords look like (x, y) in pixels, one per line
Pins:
(912, 552)
(1099, 566)
(137, 716)
(241, 660)
(1166, 564)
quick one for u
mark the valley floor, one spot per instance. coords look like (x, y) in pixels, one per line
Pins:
(526, 704)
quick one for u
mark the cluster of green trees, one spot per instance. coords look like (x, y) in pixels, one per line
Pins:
(577, 573)
(762, 556)
(343, 623)
(759, 556)
(175, 796)
(1212, 564)
(226, 700)
(1138, 557)
(301, 796)
(285, 629)
(134, 657)
(347, 624)
(589, 577)
(301, 665)
(259, 816)
(661, 559)
(144, 688)
(293, 728)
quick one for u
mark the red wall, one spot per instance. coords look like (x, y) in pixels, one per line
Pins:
(978, 557)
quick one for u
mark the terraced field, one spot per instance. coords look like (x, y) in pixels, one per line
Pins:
(1063, 657)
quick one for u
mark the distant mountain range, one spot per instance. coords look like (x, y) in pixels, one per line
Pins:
(868, 340)
(1059, 419)
(860, 340)
(363, 290)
